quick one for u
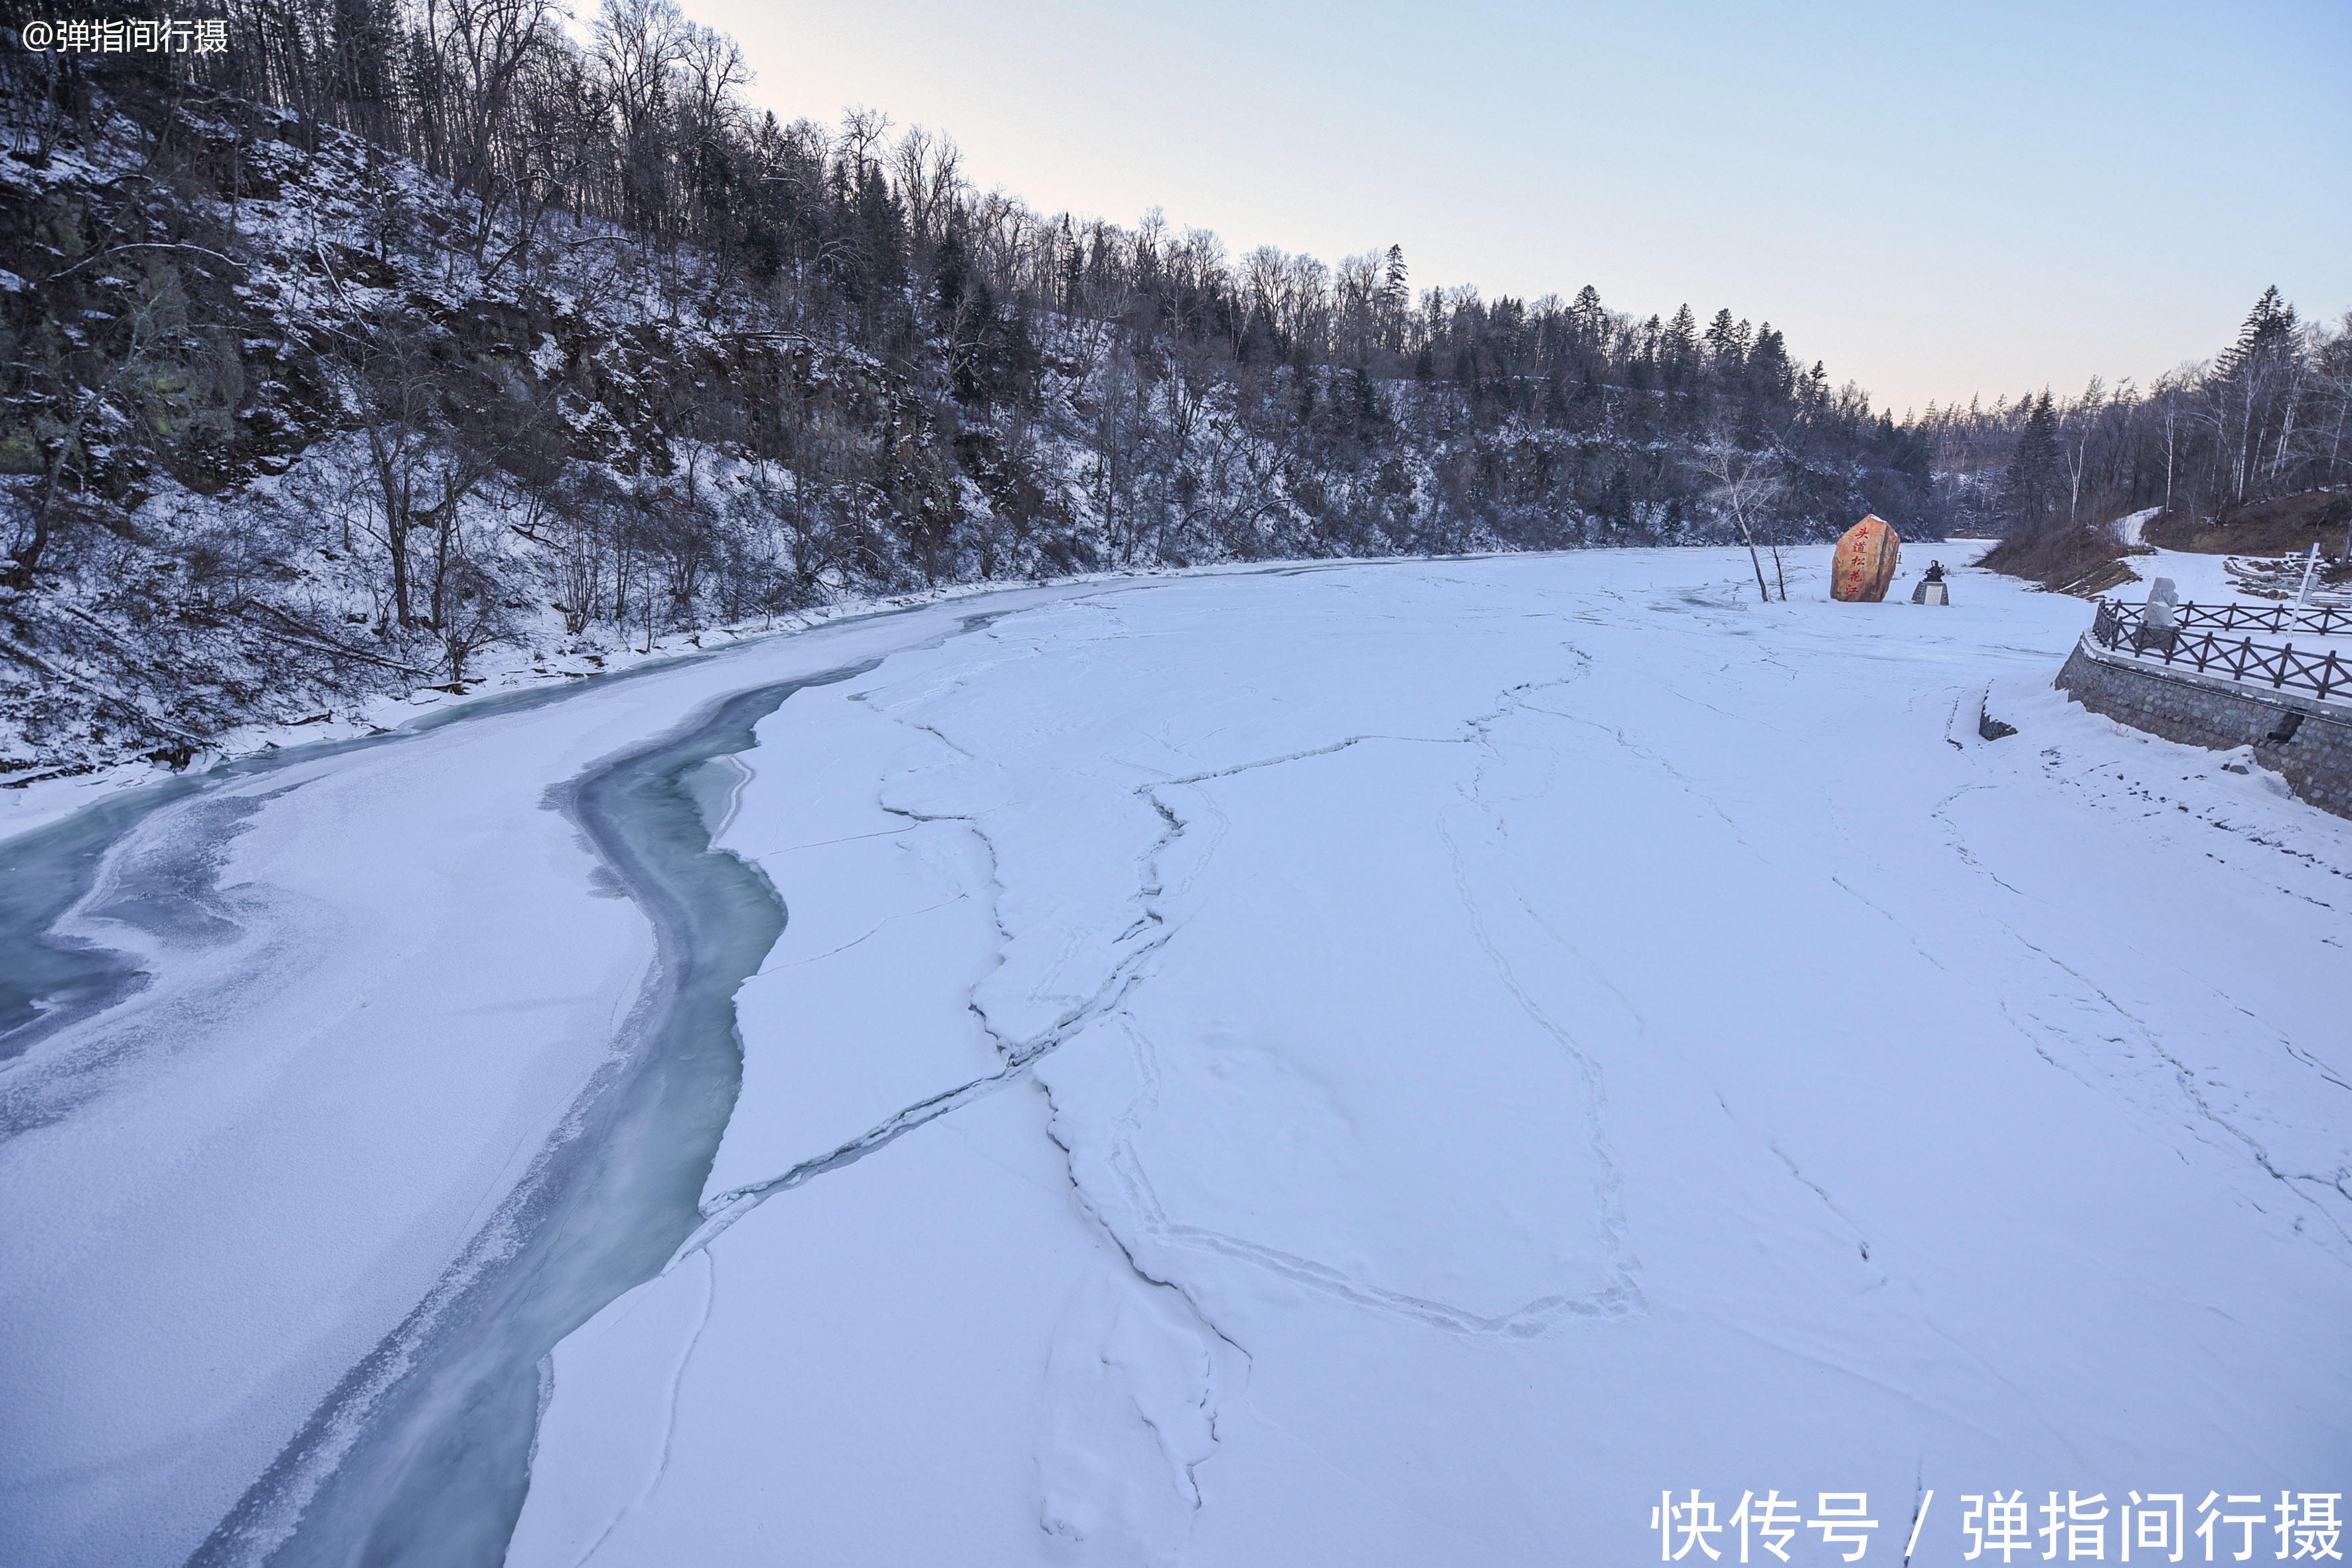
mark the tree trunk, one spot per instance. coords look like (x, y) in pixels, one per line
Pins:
(1762, 592)
(20, 569)
(394, 490)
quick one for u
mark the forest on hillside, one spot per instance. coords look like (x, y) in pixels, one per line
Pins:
(2241, 436)
(375, 335)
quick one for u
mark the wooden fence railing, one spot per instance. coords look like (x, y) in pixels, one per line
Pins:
(2321, 621)
(2124, 628)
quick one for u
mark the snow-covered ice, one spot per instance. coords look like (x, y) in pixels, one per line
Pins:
(382, 980)
(1507, 1038)
(1391, 1063)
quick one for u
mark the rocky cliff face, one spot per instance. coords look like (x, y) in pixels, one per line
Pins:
(266, 382)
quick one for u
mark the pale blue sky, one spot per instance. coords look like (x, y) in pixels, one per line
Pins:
(1935, 201)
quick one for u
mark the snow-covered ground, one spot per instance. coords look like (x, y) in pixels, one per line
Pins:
(1371, 1064)
(2202, 580)
(2197, 579)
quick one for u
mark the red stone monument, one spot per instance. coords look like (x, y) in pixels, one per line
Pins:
(1864, 562)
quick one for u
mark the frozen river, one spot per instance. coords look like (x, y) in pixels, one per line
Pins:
(1382, 1064)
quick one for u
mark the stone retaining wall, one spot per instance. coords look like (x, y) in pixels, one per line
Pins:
(2305, 739)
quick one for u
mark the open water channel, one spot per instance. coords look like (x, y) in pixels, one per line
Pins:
(420, 1455)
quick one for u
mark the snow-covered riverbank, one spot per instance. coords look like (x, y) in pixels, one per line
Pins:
(1388, 1064)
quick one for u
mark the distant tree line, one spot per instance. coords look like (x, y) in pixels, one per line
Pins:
(2267, 418)
(1549, 421)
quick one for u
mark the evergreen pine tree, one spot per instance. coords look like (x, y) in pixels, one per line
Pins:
(1678, 352)
(2033, 468)
(1769, 362)
(2252, 376)
(1393, 292)
(1723, 339)
(1396, 299)
(2270, 327)
(1588, 320)
(1682, 332)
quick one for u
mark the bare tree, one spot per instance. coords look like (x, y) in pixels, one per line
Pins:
(640, 44)
(417, 478)
(423, 464)
(1743, 484)
(480, 50)
(925, 171)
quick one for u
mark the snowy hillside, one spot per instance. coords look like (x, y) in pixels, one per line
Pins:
(1382, 1064)
(293, 420)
